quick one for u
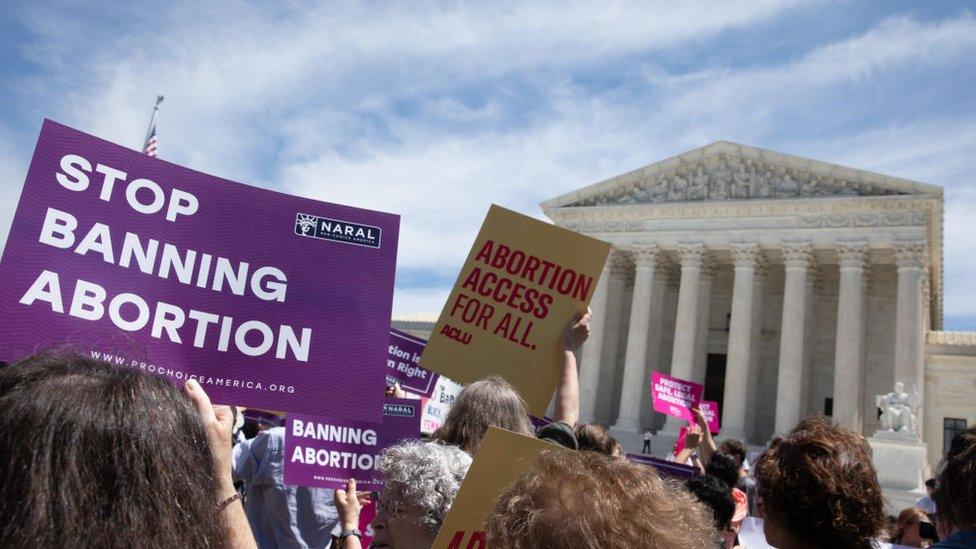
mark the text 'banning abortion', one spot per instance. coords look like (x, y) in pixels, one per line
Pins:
(522, 283)
(89, 300)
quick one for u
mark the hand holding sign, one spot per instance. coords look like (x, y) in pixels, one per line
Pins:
(578, 331)
(349, 503)
(218, 420)
(506, 314)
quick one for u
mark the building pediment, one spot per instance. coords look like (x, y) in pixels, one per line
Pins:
(726, 171)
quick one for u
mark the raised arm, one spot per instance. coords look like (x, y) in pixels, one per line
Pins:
(219, 420)
(707, 446)
(567, 392)
(349, 504)
(692, 439)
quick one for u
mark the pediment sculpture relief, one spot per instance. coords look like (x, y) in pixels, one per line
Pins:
(732, 178)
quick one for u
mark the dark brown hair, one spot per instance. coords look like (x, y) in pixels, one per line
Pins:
(955, 496)
(819, 485)
(586, 500)
(734, 447)
(100, 456)
(594, 437)
(490, 402)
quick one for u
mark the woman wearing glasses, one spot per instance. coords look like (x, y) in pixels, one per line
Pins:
(422, 479)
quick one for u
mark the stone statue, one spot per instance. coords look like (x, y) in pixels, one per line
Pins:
(657, 192)
(722, 178)
(698, 190)
(898, 410)
(740, 182)
(760, 184)
(810, 187)
(785, 185)
(679, 188)
(848, 188)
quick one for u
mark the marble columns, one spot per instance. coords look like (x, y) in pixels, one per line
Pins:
(590, 361)
(686, 321)
(909, 328)
(796, 259)
(735, 398)
(848, 355)
(632, 389)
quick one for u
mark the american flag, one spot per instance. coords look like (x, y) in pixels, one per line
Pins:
(150, 146)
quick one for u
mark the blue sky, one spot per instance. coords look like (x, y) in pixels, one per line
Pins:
(436, 110)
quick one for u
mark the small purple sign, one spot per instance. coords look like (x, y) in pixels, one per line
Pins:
(665, 468)
(328, 452)
(268, 300)
(539, 423)
(403, 364)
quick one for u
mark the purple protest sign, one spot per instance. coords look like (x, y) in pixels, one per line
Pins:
(403, 364)
(674, 396)
(709, 409)
(665, 468)
(328, 452)
(539, 423)
(268, 300)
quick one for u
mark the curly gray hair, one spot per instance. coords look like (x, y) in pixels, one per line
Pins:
(425, 474)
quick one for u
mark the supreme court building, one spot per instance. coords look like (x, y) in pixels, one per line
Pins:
(786, 286)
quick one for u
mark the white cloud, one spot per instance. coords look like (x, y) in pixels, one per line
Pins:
(311, 101)
(425, 301)
(751, 101)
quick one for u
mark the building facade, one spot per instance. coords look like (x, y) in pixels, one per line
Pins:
(786, 286)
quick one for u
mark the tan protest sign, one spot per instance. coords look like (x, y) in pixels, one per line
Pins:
(521, 284)
(502, 456)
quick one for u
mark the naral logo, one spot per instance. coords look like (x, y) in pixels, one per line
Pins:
(324, 228)
(402, 410)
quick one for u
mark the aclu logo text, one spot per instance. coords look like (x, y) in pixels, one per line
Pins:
(335, 230)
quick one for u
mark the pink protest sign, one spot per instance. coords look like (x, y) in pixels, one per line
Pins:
(674, 396)
(709, 409)
(327, 452)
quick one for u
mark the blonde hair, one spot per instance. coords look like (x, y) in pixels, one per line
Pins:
(490, 402)
(588, 501)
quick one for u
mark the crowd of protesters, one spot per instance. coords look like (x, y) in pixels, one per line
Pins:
(108, 457)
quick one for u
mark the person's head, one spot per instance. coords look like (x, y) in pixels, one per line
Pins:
(955, 496)
(930, 485)
(899, 387)
(585, 500)
(716, 495)
(422, 480)
(616, 450)
(734, 447)
(724, 468)
(490, 402)
(818, 488)
(111, 456)
(594, 437)
(906, 529)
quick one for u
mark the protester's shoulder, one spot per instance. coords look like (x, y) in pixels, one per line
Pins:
(269, 440)
(560, 433)
(965, 539)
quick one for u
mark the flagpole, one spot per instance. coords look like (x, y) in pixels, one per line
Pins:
(152, 119)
